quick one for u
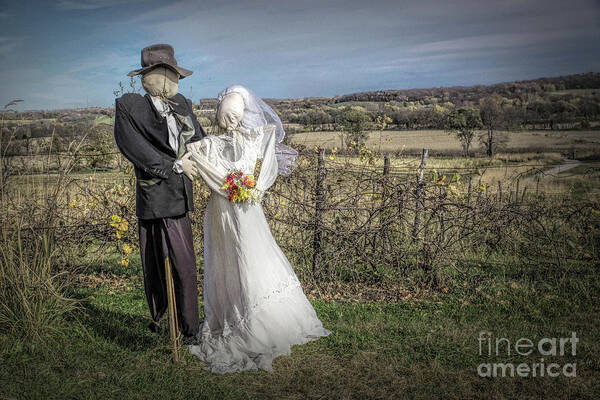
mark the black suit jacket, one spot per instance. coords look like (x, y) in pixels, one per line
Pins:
(142, 135)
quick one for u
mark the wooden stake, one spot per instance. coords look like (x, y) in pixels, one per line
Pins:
(173, 324)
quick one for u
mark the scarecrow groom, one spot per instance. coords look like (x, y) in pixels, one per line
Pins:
(151, 131)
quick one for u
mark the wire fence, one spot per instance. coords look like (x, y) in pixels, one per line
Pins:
(339, 221)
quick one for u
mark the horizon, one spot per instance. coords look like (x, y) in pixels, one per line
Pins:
(288, 50)
(342, 94)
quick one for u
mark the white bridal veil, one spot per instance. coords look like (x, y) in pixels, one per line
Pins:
(257, 113)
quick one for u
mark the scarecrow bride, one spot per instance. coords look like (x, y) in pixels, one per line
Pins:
(254, 306)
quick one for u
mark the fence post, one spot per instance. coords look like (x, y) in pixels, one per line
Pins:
(499, 191)
(517, 192)
(304, 191)
(319, 205)
(386, 164)
(442, 216)
(418, 194)
(384, 195)
(477, 199)
(469, 191)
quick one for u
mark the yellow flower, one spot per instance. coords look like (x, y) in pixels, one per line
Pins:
(452, 190)
(119, 234)
(73, 203)
(128, 248)
(125, 262)
(123, 226)
(115, 220)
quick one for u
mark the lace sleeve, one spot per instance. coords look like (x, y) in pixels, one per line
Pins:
(268, 169)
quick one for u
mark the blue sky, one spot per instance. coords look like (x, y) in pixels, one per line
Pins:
(73, 53)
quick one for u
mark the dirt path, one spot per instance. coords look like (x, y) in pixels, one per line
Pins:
(565, 166)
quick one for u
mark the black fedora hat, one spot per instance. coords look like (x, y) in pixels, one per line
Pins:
(160, 55)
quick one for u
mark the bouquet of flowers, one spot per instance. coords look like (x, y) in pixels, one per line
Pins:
(241, 188)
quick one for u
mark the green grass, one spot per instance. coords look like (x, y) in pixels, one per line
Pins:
(577, 92)
(104, 119)
(423, 347)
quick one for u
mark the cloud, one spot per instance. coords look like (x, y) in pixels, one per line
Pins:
(8, 44)
(91, 4)
(296, 48)
(500, 40)
(4, 15)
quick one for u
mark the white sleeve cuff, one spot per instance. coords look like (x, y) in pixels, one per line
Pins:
(178, 166)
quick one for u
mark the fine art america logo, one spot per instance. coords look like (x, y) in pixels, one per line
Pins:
(490, 346)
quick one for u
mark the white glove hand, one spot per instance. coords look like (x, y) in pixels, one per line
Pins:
(178, 166)
(189, 167)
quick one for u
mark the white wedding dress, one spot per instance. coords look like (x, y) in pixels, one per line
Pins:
(254, 306)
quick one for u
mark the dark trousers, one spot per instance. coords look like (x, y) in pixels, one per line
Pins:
(172, 236)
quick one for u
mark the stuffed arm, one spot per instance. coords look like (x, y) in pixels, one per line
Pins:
(136, 148)
(202, 154)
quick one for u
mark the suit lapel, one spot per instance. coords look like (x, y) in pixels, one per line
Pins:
(152, 107)
(162, 123)
(186, 131)
(179, 104)
(182, 117)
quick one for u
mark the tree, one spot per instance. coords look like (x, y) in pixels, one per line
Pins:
(589, 109)
(99, 145)
(492, 117)
(313, 118)
(382, 122)
(354, 123)
(462, 123)
(6, 144)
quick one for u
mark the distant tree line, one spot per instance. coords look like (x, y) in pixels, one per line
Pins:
(471, 113)
(463, 94)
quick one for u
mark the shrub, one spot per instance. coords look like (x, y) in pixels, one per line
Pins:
(32, 306)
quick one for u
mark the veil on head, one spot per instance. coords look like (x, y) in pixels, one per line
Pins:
(258, 113)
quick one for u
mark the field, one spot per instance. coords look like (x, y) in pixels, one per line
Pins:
(439, 141)
(584, 92)
(408, 274)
